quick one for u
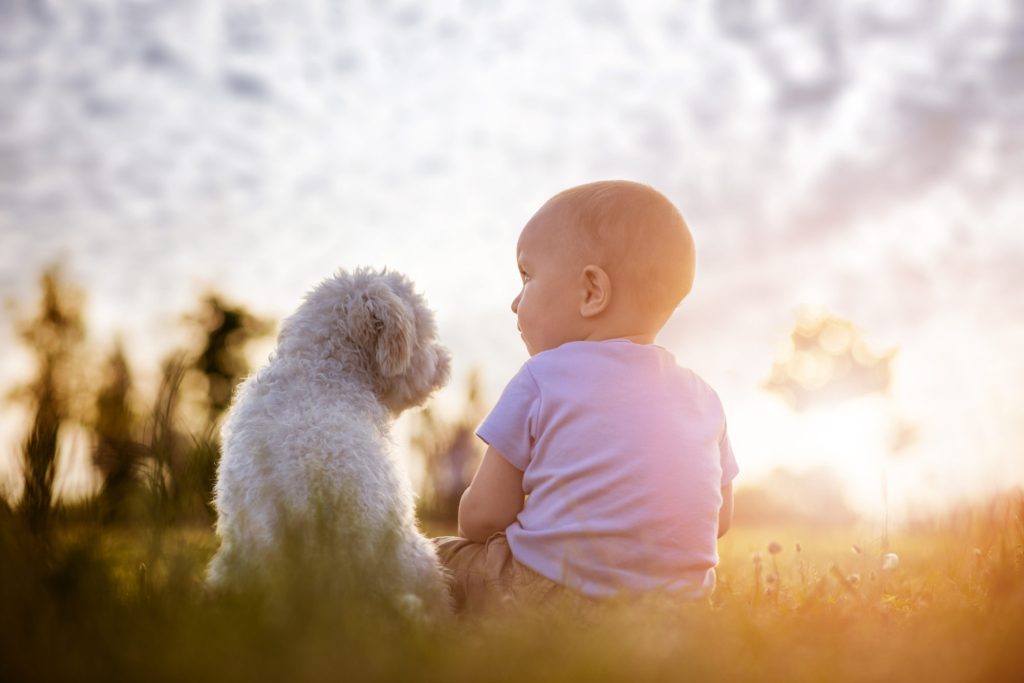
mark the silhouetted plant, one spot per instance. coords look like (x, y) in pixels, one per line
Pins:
(164, 444)
(117, 452)
(226, 329)
(219, 365)
(53, 334)
(450, 451)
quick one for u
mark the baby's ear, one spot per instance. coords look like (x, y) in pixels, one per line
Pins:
(597, 291)
(390, 326)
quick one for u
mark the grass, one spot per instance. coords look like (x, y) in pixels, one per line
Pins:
(94, 603)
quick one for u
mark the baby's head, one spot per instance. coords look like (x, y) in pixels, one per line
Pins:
(600, 261)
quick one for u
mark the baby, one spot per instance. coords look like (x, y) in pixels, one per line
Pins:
(608, 469)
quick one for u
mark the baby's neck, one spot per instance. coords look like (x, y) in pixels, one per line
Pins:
(637, 338)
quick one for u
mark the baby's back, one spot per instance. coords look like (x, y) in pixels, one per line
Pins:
(624, 455)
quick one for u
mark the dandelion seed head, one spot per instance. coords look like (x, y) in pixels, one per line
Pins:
(890, 561)
(774, 548)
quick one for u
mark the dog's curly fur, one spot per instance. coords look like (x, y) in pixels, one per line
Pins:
(306, 447)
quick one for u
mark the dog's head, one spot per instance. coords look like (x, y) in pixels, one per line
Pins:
(375, 324)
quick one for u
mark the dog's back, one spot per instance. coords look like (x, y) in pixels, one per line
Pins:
(307, 483)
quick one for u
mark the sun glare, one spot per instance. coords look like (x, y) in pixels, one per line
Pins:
(849, 439)
(827, 403)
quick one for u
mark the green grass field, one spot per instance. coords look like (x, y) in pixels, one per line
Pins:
(127, 603)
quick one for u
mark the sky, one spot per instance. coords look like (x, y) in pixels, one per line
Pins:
(863, 158)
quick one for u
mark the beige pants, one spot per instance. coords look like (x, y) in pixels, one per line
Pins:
(485, 578)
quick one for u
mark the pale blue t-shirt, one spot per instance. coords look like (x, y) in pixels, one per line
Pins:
(624, 454)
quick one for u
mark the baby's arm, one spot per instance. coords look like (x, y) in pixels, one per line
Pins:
(725, 512)
(493, 499)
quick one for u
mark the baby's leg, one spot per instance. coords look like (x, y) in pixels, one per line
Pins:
(478, 573)
(486, 578)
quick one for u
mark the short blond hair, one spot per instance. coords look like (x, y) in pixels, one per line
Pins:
(636, 234)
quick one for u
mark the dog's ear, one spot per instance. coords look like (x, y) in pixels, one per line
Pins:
(390, 328)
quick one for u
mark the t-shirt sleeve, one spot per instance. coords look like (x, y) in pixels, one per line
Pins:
(510, 427)
(729, 467)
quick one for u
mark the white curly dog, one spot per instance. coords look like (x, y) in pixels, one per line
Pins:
(307, 464)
